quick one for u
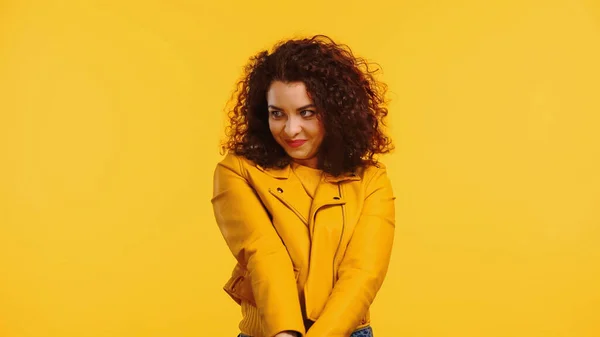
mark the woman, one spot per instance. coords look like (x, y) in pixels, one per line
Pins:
(302, 204)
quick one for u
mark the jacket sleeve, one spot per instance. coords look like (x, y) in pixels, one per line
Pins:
(251, 237)
(365, 264)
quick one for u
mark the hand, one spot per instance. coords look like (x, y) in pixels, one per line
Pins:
(287, 334)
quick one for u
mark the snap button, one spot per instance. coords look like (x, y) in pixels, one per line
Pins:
(279, 189)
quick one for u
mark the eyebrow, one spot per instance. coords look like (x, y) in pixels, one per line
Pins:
(299, 109)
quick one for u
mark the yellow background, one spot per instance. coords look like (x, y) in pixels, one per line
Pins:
(111, 116)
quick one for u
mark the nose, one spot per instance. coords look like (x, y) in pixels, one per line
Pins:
(293, 126)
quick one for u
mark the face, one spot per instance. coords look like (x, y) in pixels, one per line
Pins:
(293, 122)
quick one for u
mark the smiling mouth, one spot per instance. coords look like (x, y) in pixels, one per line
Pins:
(295, 143)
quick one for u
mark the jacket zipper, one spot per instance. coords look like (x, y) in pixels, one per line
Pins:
(341, 237)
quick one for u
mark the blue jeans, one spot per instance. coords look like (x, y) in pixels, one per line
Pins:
(363, 332)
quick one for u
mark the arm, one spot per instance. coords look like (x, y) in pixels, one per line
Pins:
(365, 263)
(250, 235)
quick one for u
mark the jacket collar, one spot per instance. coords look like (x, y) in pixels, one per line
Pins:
(284, 173)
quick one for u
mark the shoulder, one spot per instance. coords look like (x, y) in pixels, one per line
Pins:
(230, 169)
(237, 163)
(375, 178)
(372, 171)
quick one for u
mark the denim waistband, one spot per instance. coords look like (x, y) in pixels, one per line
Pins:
(362, 332)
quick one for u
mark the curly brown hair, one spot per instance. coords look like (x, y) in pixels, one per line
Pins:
(350, 101)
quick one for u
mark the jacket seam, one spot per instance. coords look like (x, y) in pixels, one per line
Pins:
(292, 208)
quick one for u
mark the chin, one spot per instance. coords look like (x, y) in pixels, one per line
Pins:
(297, 157)
(302, 158)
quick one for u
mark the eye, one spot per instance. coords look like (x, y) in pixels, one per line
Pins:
(276, 114)
(307, 113)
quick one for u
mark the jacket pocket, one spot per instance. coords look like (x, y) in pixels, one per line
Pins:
(238, 287)
(366, 320)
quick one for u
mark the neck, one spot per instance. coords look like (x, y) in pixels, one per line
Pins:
(310, 162)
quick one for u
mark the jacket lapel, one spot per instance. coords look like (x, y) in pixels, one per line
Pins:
(287, 191)
(327, 194)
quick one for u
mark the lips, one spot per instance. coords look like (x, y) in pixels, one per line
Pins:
(295, 143)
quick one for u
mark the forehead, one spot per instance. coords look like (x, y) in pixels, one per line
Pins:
(288, 93)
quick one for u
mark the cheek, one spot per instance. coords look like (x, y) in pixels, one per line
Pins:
(274, 128)
(317, 130)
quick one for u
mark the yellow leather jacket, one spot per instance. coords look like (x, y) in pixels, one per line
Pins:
(336, 259)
